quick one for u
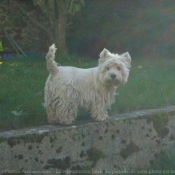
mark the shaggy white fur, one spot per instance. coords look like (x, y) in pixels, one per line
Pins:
(69, 88)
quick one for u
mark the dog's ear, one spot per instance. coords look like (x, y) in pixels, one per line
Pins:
(105, 54)
(127, 59)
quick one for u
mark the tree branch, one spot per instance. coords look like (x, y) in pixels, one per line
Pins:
(49, 10)
(35, 22)
(71, 6)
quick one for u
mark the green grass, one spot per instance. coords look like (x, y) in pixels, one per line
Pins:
(22, 82)
(164, 165)
(150, 85)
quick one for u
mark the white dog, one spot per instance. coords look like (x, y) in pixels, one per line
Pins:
(69, 88)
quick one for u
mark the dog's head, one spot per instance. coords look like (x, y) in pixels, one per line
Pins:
(114, 68)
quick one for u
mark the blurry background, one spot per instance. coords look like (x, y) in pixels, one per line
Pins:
(145, 28)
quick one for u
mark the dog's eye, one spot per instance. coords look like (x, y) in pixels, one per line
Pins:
(118, 68)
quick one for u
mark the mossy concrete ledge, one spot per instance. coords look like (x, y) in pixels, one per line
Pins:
(122, 143)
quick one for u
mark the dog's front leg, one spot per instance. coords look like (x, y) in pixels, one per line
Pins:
(99, 112)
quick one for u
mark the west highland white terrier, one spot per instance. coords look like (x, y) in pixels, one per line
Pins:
(69, 88)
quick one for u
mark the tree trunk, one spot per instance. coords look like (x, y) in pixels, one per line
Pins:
(57, 32)
(60, 28)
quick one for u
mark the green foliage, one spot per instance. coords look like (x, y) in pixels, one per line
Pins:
(75, 6)
(34, 3)
(145, 29)
(1, 47)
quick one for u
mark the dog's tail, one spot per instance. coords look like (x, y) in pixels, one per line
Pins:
(51, 64)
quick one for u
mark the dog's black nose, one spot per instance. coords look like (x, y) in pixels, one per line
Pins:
(113, 76)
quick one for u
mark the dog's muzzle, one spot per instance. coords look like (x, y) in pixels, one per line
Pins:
(113, 76)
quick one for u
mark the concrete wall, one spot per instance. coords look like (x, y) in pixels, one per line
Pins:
(122, 143)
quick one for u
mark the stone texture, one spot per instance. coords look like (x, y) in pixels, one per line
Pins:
(122, 143)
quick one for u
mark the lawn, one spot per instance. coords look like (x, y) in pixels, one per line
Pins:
(151, 85)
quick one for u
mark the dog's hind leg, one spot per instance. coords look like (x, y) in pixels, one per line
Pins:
(51, 64)
(66, 113)
(61, 112)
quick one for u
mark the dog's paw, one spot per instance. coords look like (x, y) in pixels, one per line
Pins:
(101, 117)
